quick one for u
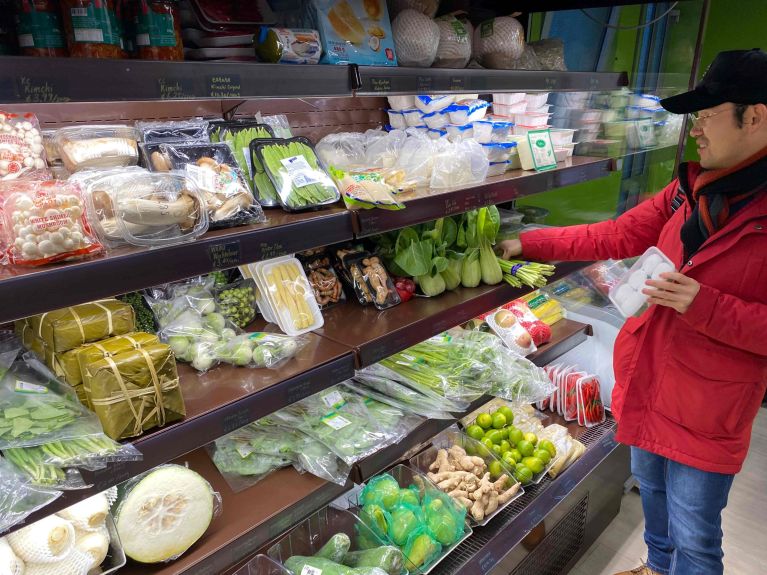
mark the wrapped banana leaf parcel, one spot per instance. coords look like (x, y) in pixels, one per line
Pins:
(131, 386)
(70, 327)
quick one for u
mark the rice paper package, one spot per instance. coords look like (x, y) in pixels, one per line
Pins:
(70, 327)
(134, 390)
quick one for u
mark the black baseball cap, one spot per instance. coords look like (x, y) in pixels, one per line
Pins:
(738, 76)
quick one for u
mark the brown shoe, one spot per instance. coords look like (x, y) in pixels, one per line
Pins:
(643, 570)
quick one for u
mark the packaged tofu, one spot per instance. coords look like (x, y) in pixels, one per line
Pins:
(627, 294)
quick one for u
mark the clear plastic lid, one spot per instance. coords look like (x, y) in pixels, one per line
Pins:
(149, 209)
(86, 147)
(193, 130)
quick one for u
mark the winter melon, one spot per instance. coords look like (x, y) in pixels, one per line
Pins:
(163, 513)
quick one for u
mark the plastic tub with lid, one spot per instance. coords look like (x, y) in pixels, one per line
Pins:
(509, 99)
(436, 120)
(536, 99)
(459, 133)
(433, 103)
(401, 102)
(521, 130)
(413, 117)
(466, 111)
(509, 109)
(492, 129)
(498, 168)
(545, 109)
(534, 120)
(498, 151)
(437, 133)
(396, 119)
(561, 136)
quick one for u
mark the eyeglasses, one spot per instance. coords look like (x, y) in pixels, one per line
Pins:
(700, 121)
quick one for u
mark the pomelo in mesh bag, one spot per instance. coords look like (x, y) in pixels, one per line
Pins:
(416, 38)
(455, 41)
(499, 42)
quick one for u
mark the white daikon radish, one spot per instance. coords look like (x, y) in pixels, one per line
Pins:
(9, 563)
(75, 563)
(94, 544)
(89, 514)
(47, 541)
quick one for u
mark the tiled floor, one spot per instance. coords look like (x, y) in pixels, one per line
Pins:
(621, 546)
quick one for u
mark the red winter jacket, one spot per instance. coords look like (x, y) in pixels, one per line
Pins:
(688, 386)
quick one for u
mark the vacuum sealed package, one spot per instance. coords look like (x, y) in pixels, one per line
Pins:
(146, 209)
(97, 146)
(627, 294)
(44, 222)
(22, 153)
(213, 168)
(188, 131)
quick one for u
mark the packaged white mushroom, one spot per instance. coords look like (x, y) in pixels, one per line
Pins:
(627, 294)
(88, 147)
(44, 222)
(22, 153)
(146, 209)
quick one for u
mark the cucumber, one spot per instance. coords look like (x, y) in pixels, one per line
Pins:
(387, 557)
(336, 548)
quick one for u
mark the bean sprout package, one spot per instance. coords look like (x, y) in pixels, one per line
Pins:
(22, 154)
(506, 326)
(214, 169)
(44, 222)
(627, 293)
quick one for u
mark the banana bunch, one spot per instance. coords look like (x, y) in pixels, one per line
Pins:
(290, 292)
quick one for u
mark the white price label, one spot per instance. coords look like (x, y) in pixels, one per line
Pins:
(300, 172)
(333, 399)
(336, 421)
(27, 387)
(645, 133)
(205, 178)
(308, 570)
(244, 450)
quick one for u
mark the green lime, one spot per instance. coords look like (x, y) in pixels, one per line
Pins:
(531, 437)
(499, 421)
(496, 469)
(505, 446)
(485, 420)
(505, 432)
(483, 450)
(548, 446)
(497, 450)
(494, 436)
(525, 448)
(508, 459)
(515, 435)
(523, 474)
(507, 413)
(543, 455)
(533, 463)
(475, 432)
(487, 442)
(470, 448)
(517, 455)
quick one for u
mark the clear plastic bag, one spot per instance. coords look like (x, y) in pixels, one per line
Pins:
(344, 151)
(458, 164)
(237, 301)
(10, 346)
(416, 159)
(30, 462)
(146, 209)
(398, 395)
(92, 452)
(550, 52)
(22, 154)
(279, 124)
(391, 418)
(214, 169)
(192, 130)
(18, 498)
(383, 148)
(241, 467)
(44, 222)
(272, 350)
(95, 146)
(339, 419)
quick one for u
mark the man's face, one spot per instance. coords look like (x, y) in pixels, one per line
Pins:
(717, 137)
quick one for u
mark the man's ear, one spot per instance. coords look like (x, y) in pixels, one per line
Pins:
(755, 117)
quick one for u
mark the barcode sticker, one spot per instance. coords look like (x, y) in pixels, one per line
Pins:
(299, 171)
(78, 12)
(309, 570)
(26, 387)
(26, 41)
(336, 421)
(333, 399)
(205, 178)
(244, 450)
(89, 35)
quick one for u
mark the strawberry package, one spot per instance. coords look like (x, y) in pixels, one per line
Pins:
(44, 222)
(591, 411)
(21, 147)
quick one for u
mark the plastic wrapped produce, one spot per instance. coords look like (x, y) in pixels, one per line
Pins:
(22, 154)
(88, 147)
(400, 395)
(157, 132)
(427, 7)
(416, 39)
(550, 53)
(18, 499)
(344, 151)
(454, 50)
(499, 42)
(416, 159)
(44, 222)
(459, 164)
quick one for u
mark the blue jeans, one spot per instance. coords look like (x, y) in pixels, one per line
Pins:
(683, 514)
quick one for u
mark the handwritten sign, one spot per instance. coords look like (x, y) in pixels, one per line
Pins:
(225, 255)
(457, 83)
(39, 90)
(270, 250)
(236, 419)
(424, 84)
(175, 88)
(380, 84)
(224, 86)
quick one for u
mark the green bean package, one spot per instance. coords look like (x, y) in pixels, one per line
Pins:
(297, 174)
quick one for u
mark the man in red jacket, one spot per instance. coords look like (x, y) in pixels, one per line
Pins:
(691, 371)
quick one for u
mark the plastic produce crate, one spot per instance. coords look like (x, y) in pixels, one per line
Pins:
(262, 565)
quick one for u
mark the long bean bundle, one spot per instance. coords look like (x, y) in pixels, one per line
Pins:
(532, 274)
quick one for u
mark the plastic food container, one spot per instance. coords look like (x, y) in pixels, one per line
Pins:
(569, 99)
(521, 130)
(413, 117)
(401, 102)
(262, 565)
(466, 111)
(539, 110)
(509, 110)
(526, 152)
(619, 99)
(627, 294)
(498, 151)
(397, 120)
(436, 133)
(433, 103)
(405, 477)
(534, 120)
(569, 148)
(436, 120)
(448, 439)
(418, 130)
(509, 99)
(498, 168)
(459, 133)
(561, 136)
(645, 101)
(560, 154)
(536, 99)
(618, 130)
(85, 147)
(492, 130)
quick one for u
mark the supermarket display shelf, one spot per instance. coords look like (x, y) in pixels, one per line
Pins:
(565, 335)
(128, 269)
(54, 80)
(220, 401)
(248, 520)
(378, 81)
(428, 205)
(376, 335)
(552, 5)
(529, 518)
